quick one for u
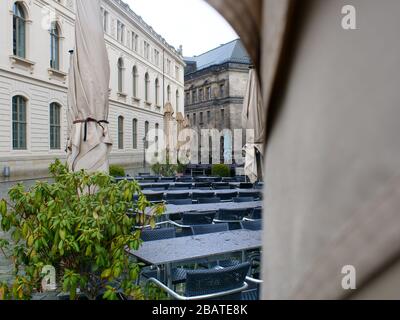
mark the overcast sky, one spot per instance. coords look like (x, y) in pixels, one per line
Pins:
(190, 23)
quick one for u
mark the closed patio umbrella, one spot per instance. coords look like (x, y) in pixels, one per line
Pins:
(253, 119)
(89, 142)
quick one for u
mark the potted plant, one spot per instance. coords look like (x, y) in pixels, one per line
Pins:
(81, 225)
(117, 171)
(220, 170)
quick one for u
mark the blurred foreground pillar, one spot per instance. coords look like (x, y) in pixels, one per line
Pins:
(332, 144)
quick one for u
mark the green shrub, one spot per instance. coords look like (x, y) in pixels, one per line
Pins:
(79, 225)
(220, 170)
(181, 168)
(117, 171)
(165, 170)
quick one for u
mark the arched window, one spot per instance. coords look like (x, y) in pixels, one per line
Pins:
(146, 132)
(54, 46)
(19, 123)
(146, 87)
(55, 126)
(177, 100)
(134, 133)
(120, 132)
(19, 30)
(120, 75)
(134, 81)
(168, 94)
(157, 89)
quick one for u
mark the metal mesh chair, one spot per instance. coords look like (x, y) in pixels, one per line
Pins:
(243, 199)
(253, 291)
(202, 185)
(158, 234)
(215, 284)
(156, 189)
(252, 225)
(210, 200)
(146, 187)
(228, 179)
(185, 179)
(183, 185)
(177, 188)
(155, 197)
(197, 218)
(144, 174)
(150, 179)
(246, 185)
(202, 195)
(259, 185)
(210, 282)
(256, 213)
(227, 196)
(163, 186)
(176, 196)
(240, 178)
(231, 216)
(167, 179)
(253, 194)
(221, 185)
(178, 274)
(180, 202)
(210, 228)
(189, 219)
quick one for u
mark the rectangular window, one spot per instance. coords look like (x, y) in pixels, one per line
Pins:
(208, 93)
(54, 47)
(146, 133)
(222, 115)
(222, 90)
(134, 133)
(201, 95)
(19, 34)
(194, 96)
(120, 133)
(177, 71)
(146, 49)
(19, 123)
(187, 98)
(156, 57)
(55, 127)
(136, 43)
(208, 116)
(194, 118)
(120, 32)
(201, 118)
(169, 66)
(105, 20)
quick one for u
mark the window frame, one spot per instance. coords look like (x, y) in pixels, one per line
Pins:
(55, 46)
(55, 126)
(19, 105)
(19, 23)
(120, 133)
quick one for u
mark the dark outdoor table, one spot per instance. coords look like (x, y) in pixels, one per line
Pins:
(178, 250)
(173, 209)
(172, 184)
(190, 191)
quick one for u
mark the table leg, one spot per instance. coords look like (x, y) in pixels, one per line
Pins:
(168, 274)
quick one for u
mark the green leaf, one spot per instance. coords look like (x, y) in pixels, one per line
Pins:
(106, 274)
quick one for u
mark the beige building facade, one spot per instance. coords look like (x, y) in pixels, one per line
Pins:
(36, 37)
(215, 86)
